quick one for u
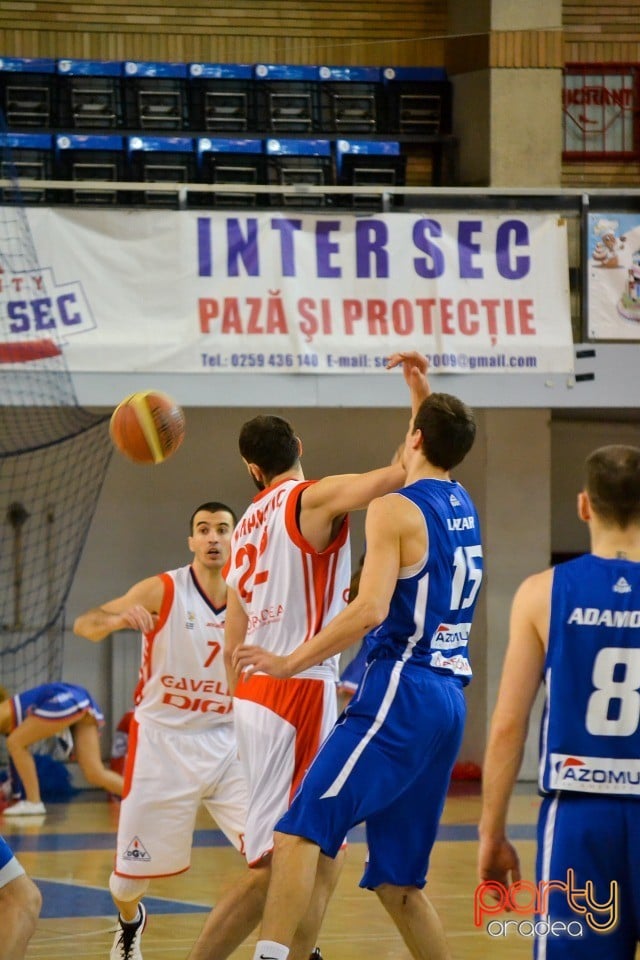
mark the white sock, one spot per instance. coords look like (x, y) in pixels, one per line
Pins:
(136, 919)
(269, 950)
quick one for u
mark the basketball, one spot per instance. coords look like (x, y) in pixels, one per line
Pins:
(147, 427)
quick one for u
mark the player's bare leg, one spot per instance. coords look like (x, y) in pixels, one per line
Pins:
(308, 932)
(293, 879)
(234, 916)
(19, 740)
(20, 903)
(416, 919)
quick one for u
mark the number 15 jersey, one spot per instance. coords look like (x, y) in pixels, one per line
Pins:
(590, 733)
(432, 606)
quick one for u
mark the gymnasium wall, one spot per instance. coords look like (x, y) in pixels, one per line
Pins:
(357, 32)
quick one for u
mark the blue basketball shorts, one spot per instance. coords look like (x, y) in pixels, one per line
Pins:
(387, 762)
(590, 846)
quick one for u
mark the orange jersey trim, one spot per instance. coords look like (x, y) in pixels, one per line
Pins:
(299, 701)
(150, 876)
(147, 641)
(319, 567)
(132, 746)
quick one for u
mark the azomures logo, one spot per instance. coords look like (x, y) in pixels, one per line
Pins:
(449, 635)
(594, 774)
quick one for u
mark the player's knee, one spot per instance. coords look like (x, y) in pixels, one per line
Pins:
(28, 898)
(392, 895)
(126, 889)
(20, 903)
(33, 902)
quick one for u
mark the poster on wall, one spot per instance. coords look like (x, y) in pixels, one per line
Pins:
(283, 292)
(614, 276)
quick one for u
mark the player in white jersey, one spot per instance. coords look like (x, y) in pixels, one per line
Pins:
(182, 748)
(290, 590)
(288, 576)
(388, 760)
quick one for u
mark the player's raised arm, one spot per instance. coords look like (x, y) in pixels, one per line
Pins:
(414, 367)
(345, 492)
(137, 609)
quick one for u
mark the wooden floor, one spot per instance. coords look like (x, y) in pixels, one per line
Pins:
(70, 851)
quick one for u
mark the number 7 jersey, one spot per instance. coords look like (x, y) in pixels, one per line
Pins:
(590, 733)
(182, 682)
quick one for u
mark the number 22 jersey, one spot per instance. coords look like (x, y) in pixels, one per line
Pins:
(288, 590)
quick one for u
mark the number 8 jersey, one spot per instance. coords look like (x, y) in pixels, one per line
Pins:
(590, 733)
(432, 606)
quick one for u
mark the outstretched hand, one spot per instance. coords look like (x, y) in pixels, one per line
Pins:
(414, 368)
(247, 659)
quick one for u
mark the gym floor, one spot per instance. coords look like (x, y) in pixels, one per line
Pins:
(69, 853)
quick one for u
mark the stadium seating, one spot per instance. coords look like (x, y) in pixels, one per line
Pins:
(281, 124)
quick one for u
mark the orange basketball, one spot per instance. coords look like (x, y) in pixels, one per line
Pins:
(147, 427)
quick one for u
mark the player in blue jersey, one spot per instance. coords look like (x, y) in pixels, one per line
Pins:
(575, 628)
(20, 904)
(388, 760)
(46, 711)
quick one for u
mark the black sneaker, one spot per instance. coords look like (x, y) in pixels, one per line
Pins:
(316, 955)
(126, 944)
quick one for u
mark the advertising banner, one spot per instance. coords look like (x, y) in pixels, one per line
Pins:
(275, 292)
(614, 276)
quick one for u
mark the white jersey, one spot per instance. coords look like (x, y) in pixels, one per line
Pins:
(182, 682)
(288, 590)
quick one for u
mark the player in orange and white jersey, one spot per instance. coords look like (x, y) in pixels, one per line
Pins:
(288, 576)
(182, 749)
(290, 590)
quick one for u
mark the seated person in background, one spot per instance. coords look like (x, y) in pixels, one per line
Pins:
(47, 711)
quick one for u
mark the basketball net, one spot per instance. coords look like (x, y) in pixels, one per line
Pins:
(53, 458)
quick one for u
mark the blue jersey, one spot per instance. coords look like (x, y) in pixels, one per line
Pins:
(590, 734)
(432, 606)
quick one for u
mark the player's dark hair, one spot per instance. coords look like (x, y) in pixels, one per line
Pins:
(448, 429)
(212, 506)
(270, 443)
(613, 483)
